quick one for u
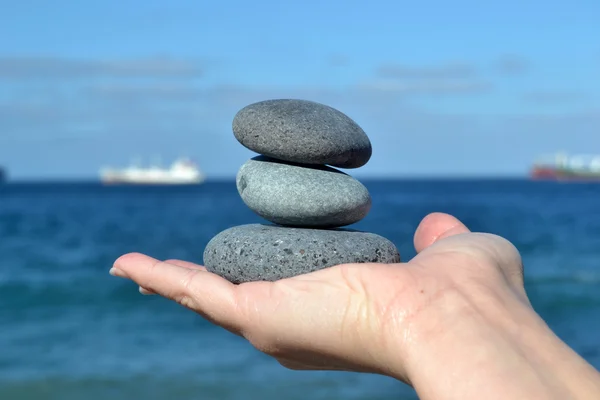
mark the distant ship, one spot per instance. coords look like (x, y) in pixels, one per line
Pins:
(564, 167)
(181, 172)
(2, 175)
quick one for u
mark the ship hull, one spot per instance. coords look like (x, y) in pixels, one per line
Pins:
(557, 174)
(118, 180)
(148, 183)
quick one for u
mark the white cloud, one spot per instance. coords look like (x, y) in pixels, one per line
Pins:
(555, 97)
(447, 71)
(50, 67)
(512, 64)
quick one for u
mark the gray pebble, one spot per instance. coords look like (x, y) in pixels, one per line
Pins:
(302, 131)
(295, 195)
(258, 252)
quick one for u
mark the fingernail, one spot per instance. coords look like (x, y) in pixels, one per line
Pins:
(117, 272)
(146, 292)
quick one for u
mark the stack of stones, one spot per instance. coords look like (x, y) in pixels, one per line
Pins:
(306, 201)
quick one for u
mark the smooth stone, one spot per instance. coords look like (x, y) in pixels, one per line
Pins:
(257, 252)
(303, 196)
(302, 131)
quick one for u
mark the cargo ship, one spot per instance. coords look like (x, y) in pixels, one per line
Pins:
(182, 172)
(565, 167)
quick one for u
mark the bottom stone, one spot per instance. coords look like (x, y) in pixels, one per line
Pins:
(259, 252)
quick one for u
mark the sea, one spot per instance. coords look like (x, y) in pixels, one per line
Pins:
(69, 330)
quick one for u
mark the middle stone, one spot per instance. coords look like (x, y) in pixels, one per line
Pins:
(302, 196)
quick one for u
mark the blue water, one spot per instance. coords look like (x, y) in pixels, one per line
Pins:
(68, 330)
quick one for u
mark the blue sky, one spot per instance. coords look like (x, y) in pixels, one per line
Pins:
(441, 88)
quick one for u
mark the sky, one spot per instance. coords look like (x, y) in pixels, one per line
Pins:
(442, 88)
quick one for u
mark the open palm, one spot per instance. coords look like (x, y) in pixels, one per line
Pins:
(358, 317)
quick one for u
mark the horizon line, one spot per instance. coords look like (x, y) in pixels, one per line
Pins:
(217, 179)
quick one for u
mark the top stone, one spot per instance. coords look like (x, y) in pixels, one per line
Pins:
(303, 132)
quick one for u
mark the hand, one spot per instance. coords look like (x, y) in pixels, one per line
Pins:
(456, 313)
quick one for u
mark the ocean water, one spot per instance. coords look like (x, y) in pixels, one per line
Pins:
(68, 330)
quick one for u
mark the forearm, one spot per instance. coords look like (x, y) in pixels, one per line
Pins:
(495, 349)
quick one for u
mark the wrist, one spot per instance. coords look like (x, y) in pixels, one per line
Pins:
(489, 345)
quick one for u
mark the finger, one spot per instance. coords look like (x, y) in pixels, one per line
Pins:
(146, 292)
(179, 263)
(206, 293)
(434, 227)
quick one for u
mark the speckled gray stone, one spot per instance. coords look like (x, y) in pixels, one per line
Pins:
(295, 195)
(302, 131)
(258, 252)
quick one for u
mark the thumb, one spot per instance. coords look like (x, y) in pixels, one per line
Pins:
(497, 250)
(434, 227)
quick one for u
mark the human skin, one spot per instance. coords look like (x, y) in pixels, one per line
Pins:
(454, 322)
